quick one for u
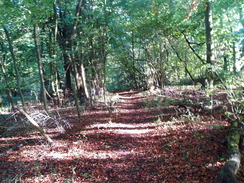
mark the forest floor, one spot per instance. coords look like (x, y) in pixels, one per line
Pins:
(145, 137)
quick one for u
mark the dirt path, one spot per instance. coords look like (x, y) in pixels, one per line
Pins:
(126, 143)
(130, 145)
(133, 143)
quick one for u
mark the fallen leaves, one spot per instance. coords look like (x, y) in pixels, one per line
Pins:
(142, 144)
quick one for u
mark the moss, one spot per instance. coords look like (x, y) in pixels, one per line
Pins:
(228, 172)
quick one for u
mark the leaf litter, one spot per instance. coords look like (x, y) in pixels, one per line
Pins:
(144, 138)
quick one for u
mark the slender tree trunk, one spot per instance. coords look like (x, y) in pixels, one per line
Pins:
(54, 76)
(185, 65)
(52, 65)
(78, 79)
(103, 60)
(136, 85)
(57, 78)
(149, 70)
(40, 66)
(104, 79)
(67, 68)
(225, 67)
(209, 53)
(15, 68)
(10, 96)
(234, 57)
(4, 70)
(83, 76)
(242, 23)
(162, 56)
(241, 16)
(82, 71)
(74, 88)
(208, 31)
(179, 57)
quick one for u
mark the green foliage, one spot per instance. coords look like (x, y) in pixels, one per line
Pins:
(122, 43)
(236, 100)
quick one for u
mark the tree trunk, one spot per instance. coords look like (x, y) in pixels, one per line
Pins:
(15, 68)
(163, 58)
(136, 83)
(78, 68)
(241, 16)
(63, 35)
(234, 57)
(225, 66)
(54, 75)
(229, 170)
(74, 88)
(4, 70)
(10, 97)
(83, 76)
(40, 67)
(208, 34)
(67, 69)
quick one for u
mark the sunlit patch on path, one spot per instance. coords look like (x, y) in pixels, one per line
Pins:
(122, 128)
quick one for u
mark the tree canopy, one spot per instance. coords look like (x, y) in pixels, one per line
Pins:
(118, 44)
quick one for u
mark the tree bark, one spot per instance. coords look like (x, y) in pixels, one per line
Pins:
(74, 88)
(67, 68)
(15, 68)
(208, 35)
(83, 76)
(40, 67)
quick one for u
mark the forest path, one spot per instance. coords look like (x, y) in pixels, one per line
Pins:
(141, 139)
(138, 141)
(130, 144)
(126, 139)
(130, 141)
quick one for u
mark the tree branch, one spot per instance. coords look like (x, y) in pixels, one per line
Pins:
(192, 49)
(36, 125)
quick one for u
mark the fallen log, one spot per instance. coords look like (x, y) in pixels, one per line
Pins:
(229, 170)
(36, 125)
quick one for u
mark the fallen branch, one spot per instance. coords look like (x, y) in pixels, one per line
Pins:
(35, 124)
(229, 170)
